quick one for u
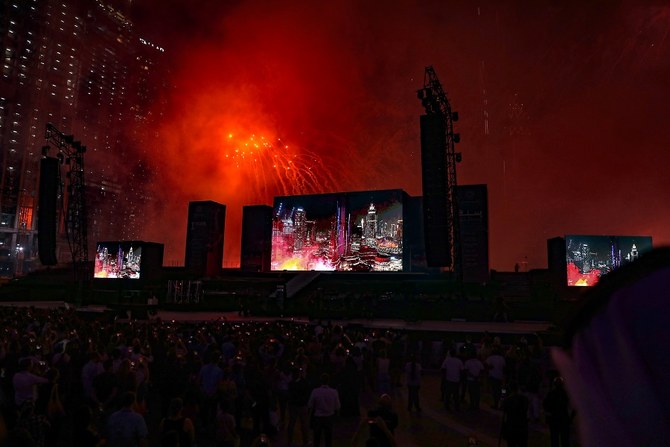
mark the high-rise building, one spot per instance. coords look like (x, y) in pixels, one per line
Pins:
(82, 66)
(371, 223)
(300, 229)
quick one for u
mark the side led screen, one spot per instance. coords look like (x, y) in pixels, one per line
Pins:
(590, 257)
(118, 260)
(359, 231)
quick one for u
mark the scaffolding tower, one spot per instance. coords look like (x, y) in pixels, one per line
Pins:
(70, 153)
(436, 104)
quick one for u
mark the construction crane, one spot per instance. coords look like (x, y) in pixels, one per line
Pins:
(436, 104)
(71, 154)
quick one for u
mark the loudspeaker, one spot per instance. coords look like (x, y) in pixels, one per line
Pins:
(256, 238)
(474, 227)
(204, 238)
(434, 182)
(556, 256)
(47, 216)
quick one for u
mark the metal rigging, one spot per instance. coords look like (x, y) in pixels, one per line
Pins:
(71, 153)
(435, 102)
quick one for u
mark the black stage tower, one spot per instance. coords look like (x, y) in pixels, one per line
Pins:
(438, 165)
(71, 153)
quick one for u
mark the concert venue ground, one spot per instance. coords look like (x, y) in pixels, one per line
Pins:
(434, 308)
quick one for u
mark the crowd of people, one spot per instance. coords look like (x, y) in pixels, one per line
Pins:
(68, 379)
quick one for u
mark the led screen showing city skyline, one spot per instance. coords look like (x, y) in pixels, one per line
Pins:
(115, 260)
(588, 258)
(359, 231)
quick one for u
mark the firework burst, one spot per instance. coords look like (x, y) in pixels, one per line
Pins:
(270, 166)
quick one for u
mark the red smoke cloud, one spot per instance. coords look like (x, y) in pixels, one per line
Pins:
(575, 98)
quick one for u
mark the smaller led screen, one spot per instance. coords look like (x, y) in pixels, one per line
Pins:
(588, 258)
(118, 260)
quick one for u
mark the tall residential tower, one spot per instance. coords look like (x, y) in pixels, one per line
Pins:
(82, 66)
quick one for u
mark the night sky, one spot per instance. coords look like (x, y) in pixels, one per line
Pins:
(577, 96)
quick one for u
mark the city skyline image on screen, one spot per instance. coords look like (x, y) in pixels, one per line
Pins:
(588, 258)
(115, 260)
(358, 231)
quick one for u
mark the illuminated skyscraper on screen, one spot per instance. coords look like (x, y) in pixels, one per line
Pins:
(82, 66)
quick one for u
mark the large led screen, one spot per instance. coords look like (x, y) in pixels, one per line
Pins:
(118, 260)
(590, 257)
(357, 231)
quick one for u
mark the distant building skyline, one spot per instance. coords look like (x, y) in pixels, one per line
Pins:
(83, 67)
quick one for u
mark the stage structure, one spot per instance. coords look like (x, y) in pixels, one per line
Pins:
(128, 275)
(70, 153)
(438, 162)
(474, 232)
(204, 238)
(256, 238)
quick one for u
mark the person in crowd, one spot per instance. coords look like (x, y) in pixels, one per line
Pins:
(382, 422)
(557, 412)
(176, 422)
(299, 392)
(261, 440)
(529, 379)
(25, 382)
(280, 390)
(473, 369)
(452, 368)
(85, 433)
(105, 387)
(495, 365)
(91, 369)
(615, 373)
(126, 380)
(226, 430)
(383, 374)
(209, 378)
(413, 380)
(515, 418)
(36, 425)
(324, 403)
(126, 427)
(348, 386)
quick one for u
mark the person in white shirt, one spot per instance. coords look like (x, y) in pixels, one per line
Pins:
(452, 367)
(323, 404)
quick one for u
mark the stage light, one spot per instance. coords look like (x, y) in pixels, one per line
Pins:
(459, 157)
(454, 116)
(457, 138)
